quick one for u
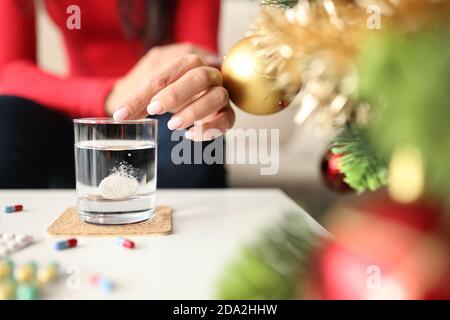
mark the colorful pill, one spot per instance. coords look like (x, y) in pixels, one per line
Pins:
(14, 208)
(27, 291)
(13, 245)
(125, 243)
(11, 264)
(93, 280)
(34, 267)
(24, 273)
(61, 245)
(24, 239)
(55, 266)
(6, 268)
(4, 251)
(47, 274)
(7, 290)
(103, 283)
(7, 236)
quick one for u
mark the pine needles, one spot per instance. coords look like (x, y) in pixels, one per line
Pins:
(363, 170)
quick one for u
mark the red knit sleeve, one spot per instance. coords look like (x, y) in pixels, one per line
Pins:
(197, 21)
(20, 76)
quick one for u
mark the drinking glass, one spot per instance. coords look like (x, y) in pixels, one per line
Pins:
(115, 169)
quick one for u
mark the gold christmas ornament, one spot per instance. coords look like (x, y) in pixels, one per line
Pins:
(314, 45)
(250, 85)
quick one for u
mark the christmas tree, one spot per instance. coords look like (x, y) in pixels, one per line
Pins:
(379, 71)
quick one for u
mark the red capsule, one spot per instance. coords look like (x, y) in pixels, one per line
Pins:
(103, 283)
(72, 242)
(128, 244)
(93, 280)
(64, 244)
(13, 208)
(125, 243)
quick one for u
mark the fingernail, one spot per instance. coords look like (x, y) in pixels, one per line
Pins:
(213, 61)
(188, 135)
(154, 108)
(121, 114)
(174, 123)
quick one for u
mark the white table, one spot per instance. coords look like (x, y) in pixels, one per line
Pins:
(209, 226)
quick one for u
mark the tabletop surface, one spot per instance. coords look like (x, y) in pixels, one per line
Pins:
(209, 228)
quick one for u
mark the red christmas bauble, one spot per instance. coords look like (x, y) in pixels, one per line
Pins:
(332, 174)
(384, 250)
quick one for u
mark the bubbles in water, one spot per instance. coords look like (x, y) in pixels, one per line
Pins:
(121, 183)
(124, 169)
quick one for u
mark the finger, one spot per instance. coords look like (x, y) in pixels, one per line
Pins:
(175, 50)
(213, 100)
(144, 114)
(136, 104)
(213, 128)
(209, 57)
(213, 61)
(172, 98)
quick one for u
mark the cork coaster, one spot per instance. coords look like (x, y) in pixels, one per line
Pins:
(69, 224)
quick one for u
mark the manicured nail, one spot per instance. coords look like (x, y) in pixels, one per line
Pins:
(154, 108)
(174, 123)
(121, 114)
(188, 135)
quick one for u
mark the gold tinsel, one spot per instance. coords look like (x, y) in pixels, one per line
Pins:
(312, 48)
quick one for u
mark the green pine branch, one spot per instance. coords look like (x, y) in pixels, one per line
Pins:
(275, 266)
(363, 170)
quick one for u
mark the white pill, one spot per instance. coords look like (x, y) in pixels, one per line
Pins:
(7, 236)
(24, 238)
(4, 251)
(13, 245)
(118, 186)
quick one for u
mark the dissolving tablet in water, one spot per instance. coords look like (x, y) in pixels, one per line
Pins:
(120, 184)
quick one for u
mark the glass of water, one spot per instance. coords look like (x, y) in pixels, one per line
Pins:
(115, 169)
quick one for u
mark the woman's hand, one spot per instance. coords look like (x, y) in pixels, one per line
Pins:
(185, 86)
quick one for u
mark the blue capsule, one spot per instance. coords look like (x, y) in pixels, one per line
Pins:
(105, 284)
(9, 209)
(61, 245)
(125, 243)
(14, 208)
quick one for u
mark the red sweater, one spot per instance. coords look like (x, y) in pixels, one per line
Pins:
(98, 53)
